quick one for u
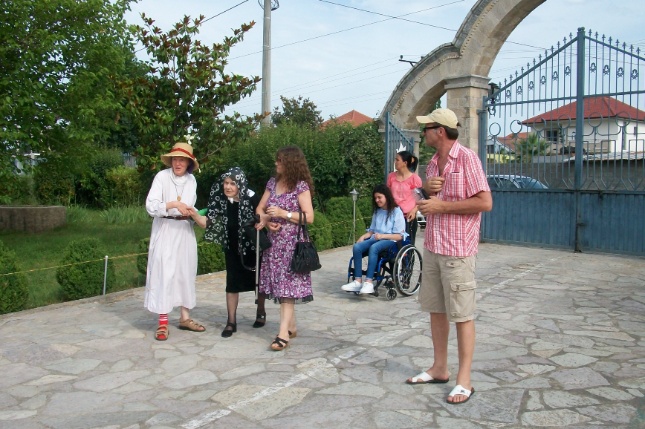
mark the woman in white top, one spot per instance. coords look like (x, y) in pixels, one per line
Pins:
(172, 253)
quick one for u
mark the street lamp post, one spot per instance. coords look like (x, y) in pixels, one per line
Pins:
(354, 195)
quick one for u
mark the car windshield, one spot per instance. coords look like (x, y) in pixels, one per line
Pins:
(529, 183)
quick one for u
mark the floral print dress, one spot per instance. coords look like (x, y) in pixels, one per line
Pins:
(276, 278)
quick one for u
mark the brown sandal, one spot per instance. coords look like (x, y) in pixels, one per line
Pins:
(191, 325)
(161, 334)
(279, 344)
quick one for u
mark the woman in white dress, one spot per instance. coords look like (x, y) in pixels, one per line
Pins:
(172, 254)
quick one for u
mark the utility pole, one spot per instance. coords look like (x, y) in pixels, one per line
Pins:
(269, 6)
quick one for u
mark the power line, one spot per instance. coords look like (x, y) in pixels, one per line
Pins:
(417, 22)
(400, 17)
(349, 29)
(232, 7)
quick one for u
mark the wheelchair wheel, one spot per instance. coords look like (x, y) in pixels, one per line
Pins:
(407, 270)
(391, 294)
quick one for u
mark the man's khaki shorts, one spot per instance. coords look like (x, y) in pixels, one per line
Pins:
(448, 286)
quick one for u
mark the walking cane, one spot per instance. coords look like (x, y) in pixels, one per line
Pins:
(257, 261)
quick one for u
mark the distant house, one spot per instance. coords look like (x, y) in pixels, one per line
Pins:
(609, 126)
(352, 117)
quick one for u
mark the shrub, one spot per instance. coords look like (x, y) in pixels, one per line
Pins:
(365, 209)
(82, 270)
(363, 154)
(93, 189)
(142, 257)
(320, 232)
(339, 213)
(210, 258)
(14, 290)
(54, 184)
(15, 189)
(123, 185)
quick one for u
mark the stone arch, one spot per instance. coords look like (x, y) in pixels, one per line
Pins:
(459, 69)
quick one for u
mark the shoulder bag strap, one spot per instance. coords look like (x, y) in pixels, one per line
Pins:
(298, 231)
(305, 231)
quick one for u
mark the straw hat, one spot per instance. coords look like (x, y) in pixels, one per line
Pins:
(180, 149)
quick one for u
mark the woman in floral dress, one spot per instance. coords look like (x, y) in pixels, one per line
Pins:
(286, 195)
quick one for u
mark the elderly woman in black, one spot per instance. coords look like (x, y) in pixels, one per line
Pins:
(231, 207)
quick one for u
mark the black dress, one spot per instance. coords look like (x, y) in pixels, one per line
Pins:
(238, 277)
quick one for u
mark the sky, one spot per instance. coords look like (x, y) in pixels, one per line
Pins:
(345, 55)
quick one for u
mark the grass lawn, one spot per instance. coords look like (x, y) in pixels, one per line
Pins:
(40, 254)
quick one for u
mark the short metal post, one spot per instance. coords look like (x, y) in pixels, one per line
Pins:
(354, 195)
(105, 274)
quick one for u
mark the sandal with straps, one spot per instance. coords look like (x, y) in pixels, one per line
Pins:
(227, 332)
(191, 325)
(260, 320)
(162, 333)
(279, 344)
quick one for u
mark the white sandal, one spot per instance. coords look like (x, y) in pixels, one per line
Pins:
(460, 390)
(424, 377)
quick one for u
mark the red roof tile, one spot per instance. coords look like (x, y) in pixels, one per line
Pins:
(595, 107)
(353, 117)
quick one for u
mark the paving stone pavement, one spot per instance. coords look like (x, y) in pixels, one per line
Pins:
(560, 342)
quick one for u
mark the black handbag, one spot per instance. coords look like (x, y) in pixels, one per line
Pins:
(305, 257)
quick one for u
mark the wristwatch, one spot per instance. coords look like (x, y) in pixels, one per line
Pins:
(288, 215)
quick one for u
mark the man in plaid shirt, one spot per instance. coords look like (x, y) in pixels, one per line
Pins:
(457, 195)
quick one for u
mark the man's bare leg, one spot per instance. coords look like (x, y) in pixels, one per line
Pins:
(440, 329)
(466, 349)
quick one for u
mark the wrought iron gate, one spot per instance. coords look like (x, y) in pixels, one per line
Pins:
(562, 141)
(396, 140)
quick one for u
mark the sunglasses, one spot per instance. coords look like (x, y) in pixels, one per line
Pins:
(431, 128)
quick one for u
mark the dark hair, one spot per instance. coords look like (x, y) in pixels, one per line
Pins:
(451, 133)
(410, 160)
(389, 199)
(294, 167)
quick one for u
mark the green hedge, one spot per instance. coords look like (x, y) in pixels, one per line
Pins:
(339, 213)
(321, 232)
(14, 290)
(210, 258)
(82, 270)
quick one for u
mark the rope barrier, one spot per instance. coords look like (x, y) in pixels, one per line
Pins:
(34, 270)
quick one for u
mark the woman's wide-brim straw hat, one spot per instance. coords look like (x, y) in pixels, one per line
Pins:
(180, 149)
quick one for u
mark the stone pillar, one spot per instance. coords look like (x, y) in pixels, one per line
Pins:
(465, 96)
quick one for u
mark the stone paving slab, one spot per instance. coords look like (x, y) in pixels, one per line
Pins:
(560, 343)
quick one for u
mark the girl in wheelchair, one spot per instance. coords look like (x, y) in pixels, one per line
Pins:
(388, 226)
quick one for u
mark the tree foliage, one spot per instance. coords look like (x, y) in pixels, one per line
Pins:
(60, 61)
(297, 111)
(186, 89)
(532, 145)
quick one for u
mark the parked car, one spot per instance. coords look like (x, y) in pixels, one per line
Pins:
(512, 181)
(421, 220)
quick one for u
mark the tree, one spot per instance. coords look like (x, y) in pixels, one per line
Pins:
(60, 61)
(297, 111)
(185, 89)
(532, 145)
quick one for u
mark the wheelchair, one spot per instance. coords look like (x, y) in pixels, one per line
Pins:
(398, 269)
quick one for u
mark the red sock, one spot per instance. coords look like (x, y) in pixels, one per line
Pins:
(163, 319)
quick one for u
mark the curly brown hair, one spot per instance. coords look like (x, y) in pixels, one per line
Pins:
(295, 168)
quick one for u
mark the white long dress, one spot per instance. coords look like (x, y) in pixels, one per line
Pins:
(172, 254)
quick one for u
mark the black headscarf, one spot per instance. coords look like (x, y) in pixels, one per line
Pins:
(217, 229)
